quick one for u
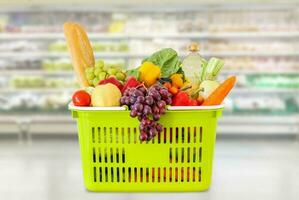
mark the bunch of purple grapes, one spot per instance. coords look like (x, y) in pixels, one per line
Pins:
(148, 105)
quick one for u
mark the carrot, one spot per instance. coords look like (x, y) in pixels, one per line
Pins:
(173, 90)
(220, 92)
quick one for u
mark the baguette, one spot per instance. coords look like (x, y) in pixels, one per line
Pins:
(80, 49)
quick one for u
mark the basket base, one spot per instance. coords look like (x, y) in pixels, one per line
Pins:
(135, 187)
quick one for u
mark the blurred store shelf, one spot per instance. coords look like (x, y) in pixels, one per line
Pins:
(235, 90)
(37, 90)
(260, 71)
(36, 72)
(241, 125)
(72, 73)
(142, 55)
(118, 36)
(264, 90)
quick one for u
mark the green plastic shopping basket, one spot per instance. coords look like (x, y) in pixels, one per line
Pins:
(178, 159)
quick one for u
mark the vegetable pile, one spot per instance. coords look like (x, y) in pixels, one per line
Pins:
(158, 82)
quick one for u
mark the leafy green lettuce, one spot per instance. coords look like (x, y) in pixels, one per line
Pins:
(167, 59)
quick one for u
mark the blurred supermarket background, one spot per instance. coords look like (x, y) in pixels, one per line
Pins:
(257, 149)
(258, 41)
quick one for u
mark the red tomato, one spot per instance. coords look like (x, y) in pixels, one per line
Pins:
(81, 98)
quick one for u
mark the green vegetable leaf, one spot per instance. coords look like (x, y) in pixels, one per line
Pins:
(212, 69)
(134, 72)
(167, 59)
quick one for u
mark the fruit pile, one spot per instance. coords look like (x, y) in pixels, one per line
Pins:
(148, 105)
(100, 72)
(146, 90)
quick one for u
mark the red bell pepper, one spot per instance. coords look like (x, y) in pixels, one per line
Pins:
(182, 99)
(131, 82)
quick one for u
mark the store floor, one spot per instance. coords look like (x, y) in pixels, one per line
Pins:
(243, 169)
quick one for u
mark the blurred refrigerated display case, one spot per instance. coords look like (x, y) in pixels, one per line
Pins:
(258, 42)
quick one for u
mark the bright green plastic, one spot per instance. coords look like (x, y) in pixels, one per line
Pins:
(113, 158)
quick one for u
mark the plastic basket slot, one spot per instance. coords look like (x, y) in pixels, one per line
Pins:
(100, 174)
(164, 174)
(159, 174)
(135, 135)
(188, 174)
(188, 154)
(116, 135)
(129, 135)
(170, 155)
(159, 137)
(176, 174)
(153, 175)
(117, 174)
(105, 135)
(111, 155)
(99, 134)
(188, 137)
(95, 174)
(111, 134)
(129, 174)
(177, 135)
(165, 135)
(195, 134)
(94, 154)
(199, 174)
(123, 155)
(124, 174)
(141, 175)
(183, 135)
(111, 174)
(176, 155)
(199, 154)
(170, 136)
(147, 174)
(182, 154)
(182, 174)
(106, 155)
(194, 154)
(93, 134)
(100, 155)
(200, 134)
(135, 175)
(122, 135)
(117, 155)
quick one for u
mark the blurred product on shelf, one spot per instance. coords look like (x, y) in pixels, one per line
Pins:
(238, 21)
(32, 103)
(58, 46)
(148, 46)
(40, 82)
(62, 64)
(170, 22)
(262, 105)
(98, 46)
(251, 45)
(265, 64)
(21, 45)
(27, 63)
(273, 81)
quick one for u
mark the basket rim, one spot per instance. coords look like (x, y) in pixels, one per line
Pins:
(71, 106)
